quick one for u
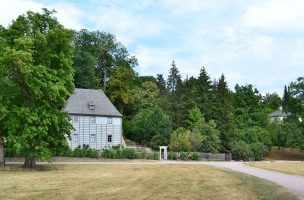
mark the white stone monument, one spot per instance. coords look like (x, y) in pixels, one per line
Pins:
(163, 149)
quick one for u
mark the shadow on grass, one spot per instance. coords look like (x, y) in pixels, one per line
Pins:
(259, 186)
(19, 168)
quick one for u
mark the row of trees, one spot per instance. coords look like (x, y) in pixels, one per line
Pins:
(41, 62)
(157, 110)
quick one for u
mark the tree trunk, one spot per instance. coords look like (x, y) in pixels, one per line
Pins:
(2, 161)
(104, 80)
(30, 162)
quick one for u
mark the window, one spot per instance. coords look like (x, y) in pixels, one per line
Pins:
(75, 119)
(93, 120)
(93, 138)
(109, 138)
(75, 137)
(109, 120)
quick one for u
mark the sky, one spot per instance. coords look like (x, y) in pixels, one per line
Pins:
(259, 42)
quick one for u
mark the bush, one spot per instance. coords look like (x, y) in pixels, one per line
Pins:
(259, 150)
(241, 150)
(184, 155)
(84, 151)
(195, 155)
(153, 156)
(172, 155)
(143, 155)
(67, 153)
(129, 153)
(106, 153)
(79, 152)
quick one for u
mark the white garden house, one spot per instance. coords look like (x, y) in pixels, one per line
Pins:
(96, 121)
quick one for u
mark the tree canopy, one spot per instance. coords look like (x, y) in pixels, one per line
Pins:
(36, 70)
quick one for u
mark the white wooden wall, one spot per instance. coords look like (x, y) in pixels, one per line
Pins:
(86, 127)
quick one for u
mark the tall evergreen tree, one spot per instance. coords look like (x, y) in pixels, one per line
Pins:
(174, 78)
(223, 114)
(204, 86)
(161, 83)
(286, 98)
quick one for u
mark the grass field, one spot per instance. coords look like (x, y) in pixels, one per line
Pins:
(285, 154)
(285, 167)
(134, 182)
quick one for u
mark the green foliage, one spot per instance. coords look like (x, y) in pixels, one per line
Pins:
(195, 117)
(272, 101)
(180, 140)
(96, 53)
(259, 150)
(222, 112)
(36, 58)
(174, 78)
(256, 134)
(158, 140)
(120, 88)
(248, 110)
(149, 123)
(85, 151)
(172, 155)
(211, 141)
(186, 156)
(241, 150)
(146, 97)
(128, 153)
(195, 155)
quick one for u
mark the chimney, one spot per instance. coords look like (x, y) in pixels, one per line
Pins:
(91, 105)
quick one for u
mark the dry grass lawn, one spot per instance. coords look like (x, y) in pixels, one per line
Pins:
(285, 167)
(134, 182)
(285, 154)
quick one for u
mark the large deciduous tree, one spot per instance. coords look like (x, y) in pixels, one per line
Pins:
(151, 126)
(35, 64)
(96, 54)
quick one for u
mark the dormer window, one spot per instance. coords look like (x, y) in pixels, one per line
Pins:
(91, 105)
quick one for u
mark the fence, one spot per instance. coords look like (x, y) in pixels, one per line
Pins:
(215, 156)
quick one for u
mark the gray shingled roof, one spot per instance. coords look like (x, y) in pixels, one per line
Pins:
(279, 113)
(90, 102)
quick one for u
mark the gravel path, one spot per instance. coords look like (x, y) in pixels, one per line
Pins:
(293, 183)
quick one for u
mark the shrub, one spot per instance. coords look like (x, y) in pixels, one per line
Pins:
(106, 153)
(241, 150)
(172, 155)
(129, 153)
(79, 152)
(184, 155)
(195, 155)
(259, 150)
(158, 140)
(84, 151)
(67, 153)
(143, 155)
(155, 156)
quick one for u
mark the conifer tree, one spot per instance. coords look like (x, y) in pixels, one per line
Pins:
(223, 114)
(174, 78)
(203, 90)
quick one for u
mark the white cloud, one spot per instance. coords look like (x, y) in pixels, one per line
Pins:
(128, 26)
(67, 14)
(282, 15)
(192, 6)
(154, 60)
